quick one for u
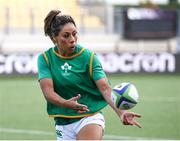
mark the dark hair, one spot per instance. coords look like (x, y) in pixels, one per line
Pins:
(54, 22)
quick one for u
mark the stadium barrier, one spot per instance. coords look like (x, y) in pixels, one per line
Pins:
(26, 64)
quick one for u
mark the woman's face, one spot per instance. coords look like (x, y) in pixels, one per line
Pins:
(67, 39)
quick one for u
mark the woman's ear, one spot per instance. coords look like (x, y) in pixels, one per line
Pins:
(54, 39)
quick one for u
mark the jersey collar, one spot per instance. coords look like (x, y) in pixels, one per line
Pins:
(69, 57)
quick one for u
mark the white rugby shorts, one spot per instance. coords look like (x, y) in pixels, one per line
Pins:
(69, 131)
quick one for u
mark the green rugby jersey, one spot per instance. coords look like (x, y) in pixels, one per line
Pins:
(71, 76)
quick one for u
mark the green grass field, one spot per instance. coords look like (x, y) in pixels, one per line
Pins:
(23, 109)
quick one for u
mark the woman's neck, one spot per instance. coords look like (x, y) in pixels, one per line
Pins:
(63, 52)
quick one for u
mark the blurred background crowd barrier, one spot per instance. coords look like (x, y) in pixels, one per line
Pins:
(147, 30)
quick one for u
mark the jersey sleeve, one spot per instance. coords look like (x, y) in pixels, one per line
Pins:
(97, 70)
(43, 68)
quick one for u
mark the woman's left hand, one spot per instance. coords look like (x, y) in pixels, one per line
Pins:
(128, 118)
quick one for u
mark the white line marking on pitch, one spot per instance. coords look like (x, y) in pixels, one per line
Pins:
(20, 131)
(38, 132)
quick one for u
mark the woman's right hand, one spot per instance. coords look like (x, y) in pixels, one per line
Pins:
(73, 104)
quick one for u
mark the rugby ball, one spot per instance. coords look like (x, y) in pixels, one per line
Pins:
(125, 96)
